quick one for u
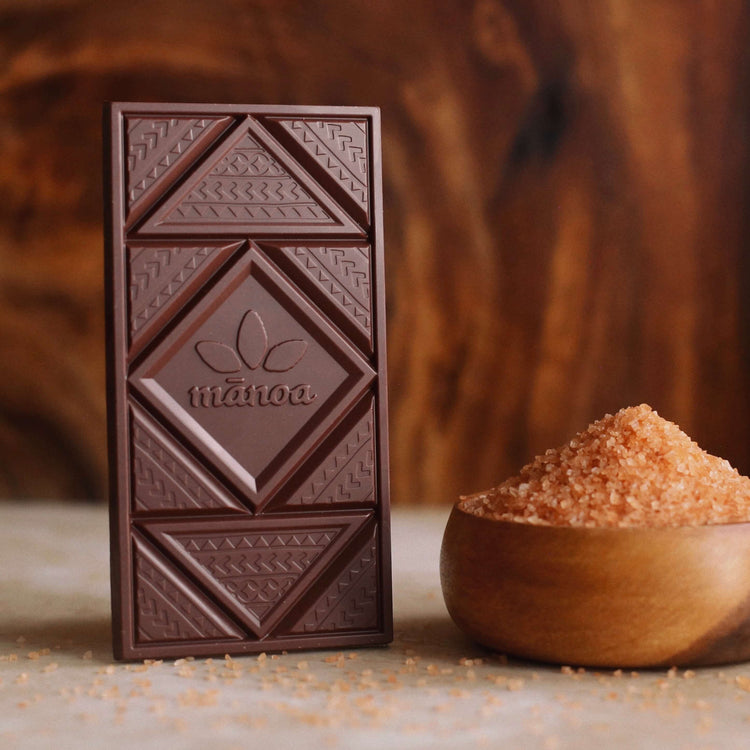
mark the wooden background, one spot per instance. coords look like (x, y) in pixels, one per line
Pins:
(566, 186)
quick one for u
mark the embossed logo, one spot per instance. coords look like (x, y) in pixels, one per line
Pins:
(252, 351)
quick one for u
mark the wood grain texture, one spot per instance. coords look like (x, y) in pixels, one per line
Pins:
(565, 186)
(600, 597)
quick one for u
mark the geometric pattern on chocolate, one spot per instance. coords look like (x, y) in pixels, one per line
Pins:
(347, 472)
(256, 444)
(340, 147)
(245, 406)
(159, 273)
(159, 149)
(343, 274)
(169, 609)
(351, 601)
(242, 184)
(165, 478)
(257, 568)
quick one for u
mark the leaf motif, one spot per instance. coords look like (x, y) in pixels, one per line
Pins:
(218, 357)
(252, 339)
(285, 355)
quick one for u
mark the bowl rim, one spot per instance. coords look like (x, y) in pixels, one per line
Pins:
(548, 527)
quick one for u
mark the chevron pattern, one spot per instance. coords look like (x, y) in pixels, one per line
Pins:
(343, 274)
(169, 612)
(155, 146)
(158, 273)
(258, 569)
(164, 478)
(248, 184)
(351, 601)
(347, 475)
(340, 148)
(149, 290)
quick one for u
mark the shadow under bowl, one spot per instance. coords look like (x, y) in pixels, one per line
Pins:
(605, 597)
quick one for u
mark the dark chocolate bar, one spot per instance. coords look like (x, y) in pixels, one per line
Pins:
(246, 379)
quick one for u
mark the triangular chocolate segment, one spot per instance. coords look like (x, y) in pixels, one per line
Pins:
(351, 601)
(338, 276)
(165, 477)
(159, 150)
(169, 609)
(250, 185)
(161, 276)
(258, 568)
(342, 472)
(339, 148)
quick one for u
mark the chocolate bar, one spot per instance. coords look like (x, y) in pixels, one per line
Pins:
(246, 379)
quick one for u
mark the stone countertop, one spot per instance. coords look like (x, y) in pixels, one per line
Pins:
(59, 686)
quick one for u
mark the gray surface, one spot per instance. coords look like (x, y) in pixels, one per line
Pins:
(413, 694)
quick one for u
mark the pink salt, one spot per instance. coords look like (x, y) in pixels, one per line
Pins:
(632, 468)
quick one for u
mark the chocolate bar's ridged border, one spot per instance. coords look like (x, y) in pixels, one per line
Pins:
(352, 564)
(113, 315)
(377, 296)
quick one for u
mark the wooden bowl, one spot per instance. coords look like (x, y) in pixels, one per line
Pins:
(637, 597)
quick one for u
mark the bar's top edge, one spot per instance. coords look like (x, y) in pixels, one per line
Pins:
(235, 109)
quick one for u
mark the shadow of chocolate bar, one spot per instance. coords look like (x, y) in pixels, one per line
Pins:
(246, 379)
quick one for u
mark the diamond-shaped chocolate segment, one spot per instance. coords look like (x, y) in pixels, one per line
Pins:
(253, 422)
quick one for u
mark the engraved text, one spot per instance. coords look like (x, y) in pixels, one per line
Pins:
(237, 392)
